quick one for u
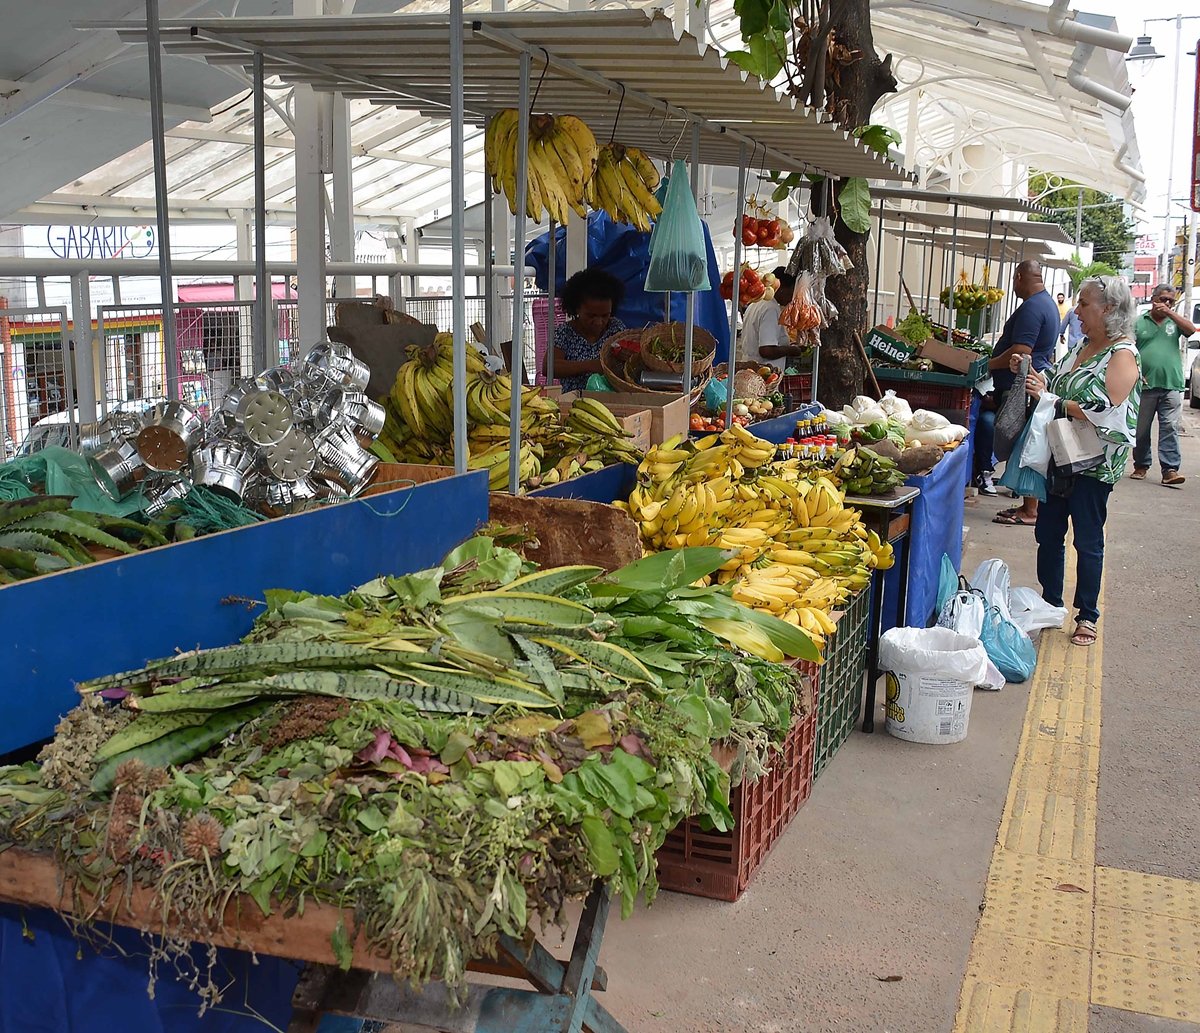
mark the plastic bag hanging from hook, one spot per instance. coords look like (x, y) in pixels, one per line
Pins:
(678, 260)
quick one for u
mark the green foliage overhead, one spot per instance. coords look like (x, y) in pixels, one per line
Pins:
(1106, 228)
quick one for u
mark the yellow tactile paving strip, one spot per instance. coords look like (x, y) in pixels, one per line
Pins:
(1057, 933)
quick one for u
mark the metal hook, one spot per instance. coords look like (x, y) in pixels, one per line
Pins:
(541, 79)
(617, 117)
(679, 139)
(662, 126)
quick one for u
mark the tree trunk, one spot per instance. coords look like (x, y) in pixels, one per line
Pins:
(853, 90)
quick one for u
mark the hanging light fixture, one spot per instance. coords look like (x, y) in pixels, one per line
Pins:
(1143, 50)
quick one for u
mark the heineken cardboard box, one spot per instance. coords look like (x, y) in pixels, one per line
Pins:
(887, 345)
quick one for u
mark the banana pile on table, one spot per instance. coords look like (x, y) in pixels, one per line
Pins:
(566, 170)
(799, 552)
(419, 425)
(862, 471)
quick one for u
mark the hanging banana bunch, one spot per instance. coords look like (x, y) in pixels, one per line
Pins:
(624, 186)
(561, 159)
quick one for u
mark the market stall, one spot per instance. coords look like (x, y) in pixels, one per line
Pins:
(492, 62)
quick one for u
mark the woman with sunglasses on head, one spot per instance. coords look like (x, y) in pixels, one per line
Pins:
(1097, 381)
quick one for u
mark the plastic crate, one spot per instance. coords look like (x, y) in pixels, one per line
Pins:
(720, 865)
(796, 389)
(839, 694)
(541, 334)
(920, 395)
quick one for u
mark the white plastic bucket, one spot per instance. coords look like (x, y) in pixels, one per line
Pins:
(930, 676)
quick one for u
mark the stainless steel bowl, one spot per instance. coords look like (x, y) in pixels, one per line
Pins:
(117, 469)
(343, 460)
(290, 459)
(95, 436)
(223, 466)
(353, 408)
(231, 403)
(266, 417)
(335, 365)
(164, 492)
(278, 378)
(170, 431)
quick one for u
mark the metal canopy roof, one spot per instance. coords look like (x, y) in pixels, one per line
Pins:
(1020, 229)
(1007, 75)
(979, 247)
(584, 63)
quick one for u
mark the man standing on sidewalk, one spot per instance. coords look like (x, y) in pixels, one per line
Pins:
(1031, 330)
(1158, 333)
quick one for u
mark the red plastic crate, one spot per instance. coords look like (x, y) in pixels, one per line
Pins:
(720, 865)
(796, 389)
(942, 397)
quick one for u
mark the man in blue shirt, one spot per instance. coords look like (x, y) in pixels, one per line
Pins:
(1031, 330)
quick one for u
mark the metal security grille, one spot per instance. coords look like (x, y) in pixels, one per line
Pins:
(37, 379)
(214, 346)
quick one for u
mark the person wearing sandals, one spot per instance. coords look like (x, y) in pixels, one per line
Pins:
(1098, 381)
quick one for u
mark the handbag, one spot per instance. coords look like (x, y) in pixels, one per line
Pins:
(1010, 420)
(1075, 446)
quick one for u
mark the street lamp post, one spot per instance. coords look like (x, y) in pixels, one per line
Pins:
(1144, 51)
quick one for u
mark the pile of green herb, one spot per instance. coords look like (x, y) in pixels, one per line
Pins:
(450, 754)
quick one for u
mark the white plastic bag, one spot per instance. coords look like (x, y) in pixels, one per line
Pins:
(1035, 453)
(1030, 612)
(993, 579)
(963, 613)
(993, 681)
(931, 673)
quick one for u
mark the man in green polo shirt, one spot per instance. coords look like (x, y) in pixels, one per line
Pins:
(1159, 334)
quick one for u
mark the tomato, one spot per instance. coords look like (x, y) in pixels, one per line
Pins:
(697, 422)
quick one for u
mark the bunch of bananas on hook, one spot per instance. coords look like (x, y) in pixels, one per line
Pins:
(561, 160)
(624, 184)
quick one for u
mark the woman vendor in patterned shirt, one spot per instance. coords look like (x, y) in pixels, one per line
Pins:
(590, 298)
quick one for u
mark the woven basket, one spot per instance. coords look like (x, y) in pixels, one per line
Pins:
(704, 345)
(623, 375)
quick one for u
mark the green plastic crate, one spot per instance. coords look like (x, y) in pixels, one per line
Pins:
(888, 346)
(841, 679)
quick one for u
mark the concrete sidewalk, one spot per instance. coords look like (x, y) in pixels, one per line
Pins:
(886, 870)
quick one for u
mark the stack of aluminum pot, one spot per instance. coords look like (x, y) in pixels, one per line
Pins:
(291, 437)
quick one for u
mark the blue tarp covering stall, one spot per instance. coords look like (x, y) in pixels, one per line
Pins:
(621, 250)
(937, 523)
(52, 984)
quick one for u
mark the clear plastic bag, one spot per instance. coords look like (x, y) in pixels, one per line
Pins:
(801, 314)
(678, 259)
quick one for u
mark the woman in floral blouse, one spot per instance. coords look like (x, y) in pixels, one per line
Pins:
(1097, 381)
(590, 298)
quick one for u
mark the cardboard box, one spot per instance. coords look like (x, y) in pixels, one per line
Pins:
(393, 476)
(669, 414)
(637, 420)
(960, 360)
(887, 345)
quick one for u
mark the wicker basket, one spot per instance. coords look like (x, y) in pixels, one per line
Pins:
(623, 376)
(704, 345)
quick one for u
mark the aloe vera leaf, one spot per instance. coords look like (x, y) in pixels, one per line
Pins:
(64, 523)
(22, 509)
(19, 560)
(34, 541)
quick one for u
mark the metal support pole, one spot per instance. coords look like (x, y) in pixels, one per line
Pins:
(158, 140)
(1189, 266)
(953, 256)
(689, 319)
(1079, 219)
(341, 229)
(489, 264)
(929, 279)
(458, 245)
(739, 204)
(987, 267)
(1165, 277)
(518, 338)
(551, 290)
(83, 391)
(878, 265)
(900, 263)
(263, 294)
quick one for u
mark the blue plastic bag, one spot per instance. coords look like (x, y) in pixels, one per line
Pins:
(678, 260)
(1008, 647)
(715, 395)
(1021, 479)
(947, 584)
